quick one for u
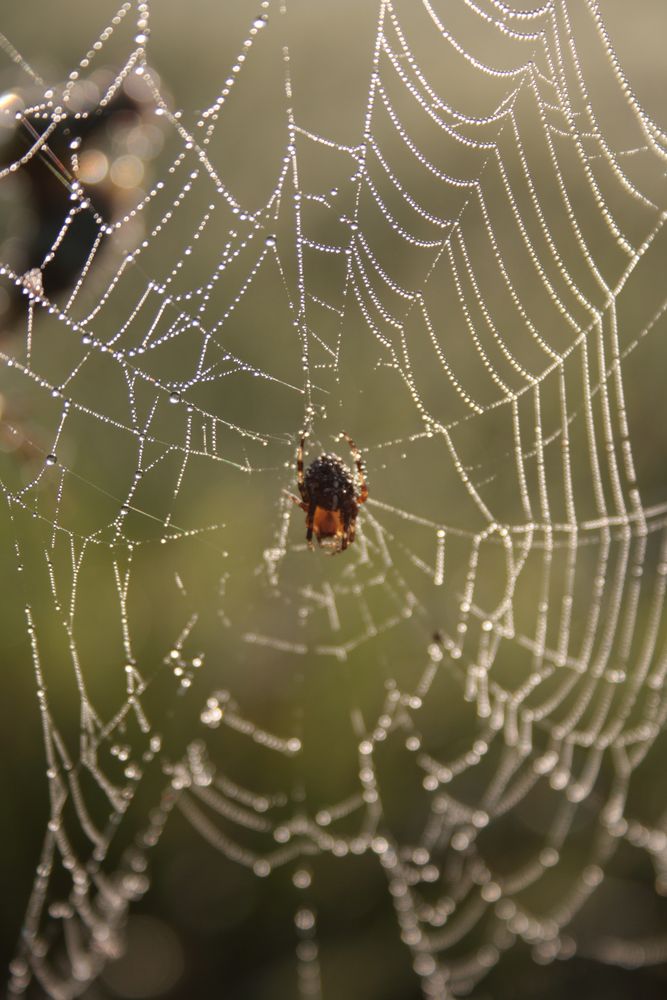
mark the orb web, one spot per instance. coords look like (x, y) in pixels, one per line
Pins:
(441, 233)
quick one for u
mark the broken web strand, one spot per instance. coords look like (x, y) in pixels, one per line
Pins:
(507, 713)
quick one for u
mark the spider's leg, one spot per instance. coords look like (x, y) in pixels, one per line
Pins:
(309, 525)
(299, 503)
(348, 533)
(356, 455)
(299, 469)
(299, 461)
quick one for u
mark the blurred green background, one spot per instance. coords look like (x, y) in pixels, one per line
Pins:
(204, 532)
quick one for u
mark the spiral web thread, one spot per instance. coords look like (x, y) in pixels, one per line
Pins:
(497, 270)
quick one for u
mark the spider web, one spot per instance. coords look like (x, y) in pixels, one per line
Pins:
(439, 228)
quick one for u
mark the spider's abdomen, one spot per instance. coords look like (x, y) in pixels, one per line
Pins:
(329, 483)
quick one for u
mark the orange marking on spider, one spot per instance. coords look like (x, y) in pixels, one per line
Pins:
(329, 497)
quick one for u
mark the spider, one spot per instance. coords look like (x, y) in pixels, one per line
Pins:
(329, 498)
